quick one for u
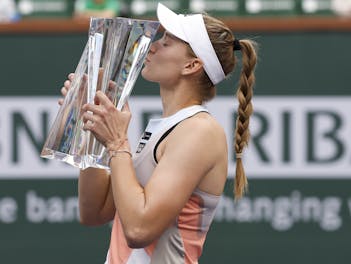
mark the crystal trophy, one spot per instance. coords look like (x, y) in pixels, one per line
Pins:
(111, 62)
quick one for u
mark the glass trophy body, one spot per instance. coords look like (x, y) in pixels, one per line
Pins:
(111, 62)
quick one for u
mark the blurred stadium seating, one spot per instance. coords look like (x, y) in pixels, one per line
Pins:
(65, 8)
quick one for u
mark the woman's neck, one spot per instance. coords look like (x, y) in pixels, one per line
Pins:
(178, 98)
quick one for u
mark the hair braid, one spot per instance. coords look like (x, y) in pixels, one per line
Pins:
(245, 109)
(222, 40)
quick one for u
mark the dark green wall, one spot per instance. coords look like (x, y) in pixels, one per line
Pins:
(289, 63)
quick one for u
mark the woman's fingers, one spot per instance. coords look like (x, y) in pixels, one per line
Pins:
(64, 91)
(67, 84)
(103, 100)
(65, 88)
(106, 123)
(126, 108)
(95, 109)
(90, 119)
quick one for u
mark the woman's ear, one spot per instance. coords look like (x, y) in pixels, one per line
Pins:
(194, 65)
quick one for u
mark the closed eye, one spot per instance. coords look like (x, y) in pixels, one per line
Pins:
(165, 40)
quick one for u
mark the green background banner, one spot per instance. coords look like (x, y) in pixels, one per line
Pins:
(282, 220)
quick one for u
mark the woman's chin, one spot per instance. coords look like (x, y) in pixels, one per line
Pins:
(146, 76)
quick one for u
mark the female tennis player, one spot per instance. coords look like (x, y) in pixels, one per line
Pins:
(162, 197)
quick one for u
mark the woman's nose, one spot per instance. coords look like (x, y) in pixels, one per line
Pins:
(153, 47)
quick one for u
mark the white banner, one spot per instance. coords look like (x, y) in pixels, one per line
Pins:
(292, 137)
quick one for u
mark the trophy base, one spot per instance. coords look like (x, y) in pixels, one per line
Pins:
(78, 161)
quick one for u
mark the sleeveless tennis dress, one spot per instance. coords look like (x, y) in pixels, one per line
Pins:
(182, 242)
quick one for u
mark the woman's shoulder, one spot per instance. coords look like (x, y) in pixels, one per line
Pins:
(204, 121)
(202, 126)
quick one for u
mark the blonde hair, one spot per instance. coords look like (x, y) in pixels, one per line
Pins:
(245, 109)
(222, 39)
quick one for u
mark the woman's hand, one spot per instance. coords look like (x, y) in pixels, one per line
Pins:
(108, 125)
(65, 88)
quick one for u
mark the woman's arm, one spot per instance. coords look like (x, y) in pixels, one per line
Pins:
(187, 158)
(96, 206)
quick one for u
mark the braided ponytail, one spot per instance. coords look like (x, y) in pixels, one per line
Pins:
(245, 109)
(224, 43)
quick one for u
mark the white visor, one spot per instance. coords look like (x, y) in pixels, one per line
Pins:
(191, 29)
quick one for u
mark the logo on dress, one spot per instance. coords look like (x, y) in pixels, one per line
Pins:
(144, 138)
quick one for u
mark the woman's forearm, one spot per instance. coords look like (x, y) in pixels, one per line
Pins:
(95, 198)
(130, 199)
